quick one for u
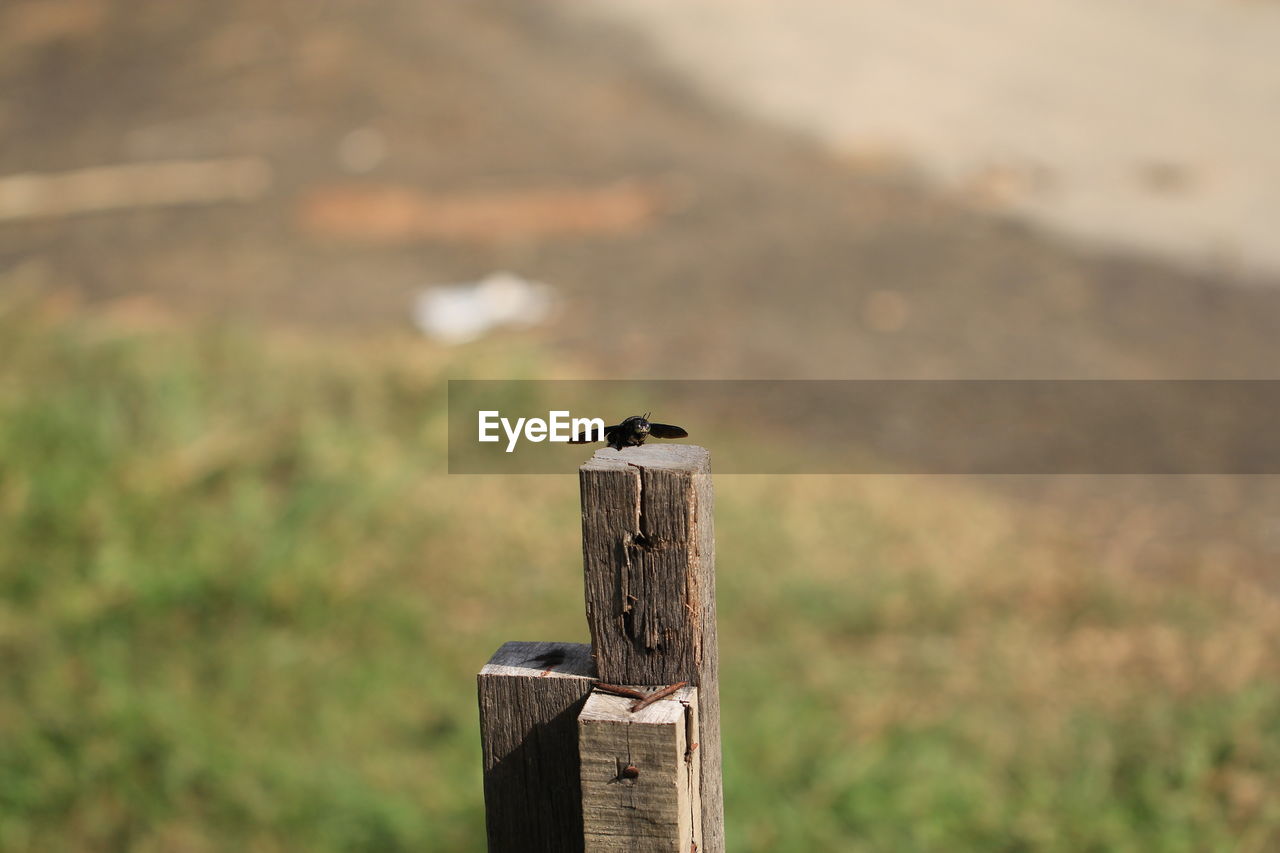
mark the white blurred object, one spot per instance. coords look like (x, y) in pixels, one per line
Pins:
(457, 313)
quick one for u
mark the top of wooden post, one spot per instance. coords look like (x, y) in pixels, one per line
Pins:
(672, 457)
(538, 660)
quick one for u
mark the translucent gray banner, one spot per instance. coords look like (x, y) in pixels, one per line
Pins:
(885, 426)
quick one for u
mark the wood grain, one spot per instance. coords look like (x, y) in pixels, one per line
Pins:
(648, 544)
(530, 697)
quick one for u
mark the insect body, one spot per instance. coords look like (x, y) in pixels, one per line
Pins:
(630, 433)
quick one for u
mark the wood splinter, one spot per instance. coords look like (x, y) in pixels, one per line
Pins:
(619, 690)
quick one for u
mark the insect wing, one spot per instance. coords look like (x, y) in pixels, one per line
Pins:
(667, 431)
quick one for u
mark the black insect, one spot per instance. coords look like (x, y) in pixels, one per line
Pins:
(630, 433)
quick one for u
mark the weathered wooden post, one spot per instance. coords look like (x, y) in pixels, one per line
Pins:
(530, 697)
(634, 719)
(648, 546)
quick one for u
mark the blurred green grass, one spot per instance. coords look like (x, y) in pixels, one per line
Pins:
(242, 607)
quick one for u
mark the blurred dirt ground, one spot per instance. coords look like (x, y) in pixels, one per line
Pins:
(402, 144)
(417, 143)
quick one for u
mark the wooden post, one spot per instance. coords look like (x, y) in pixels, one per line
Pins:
(530, 697)
(640, 775)
(649, 559)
